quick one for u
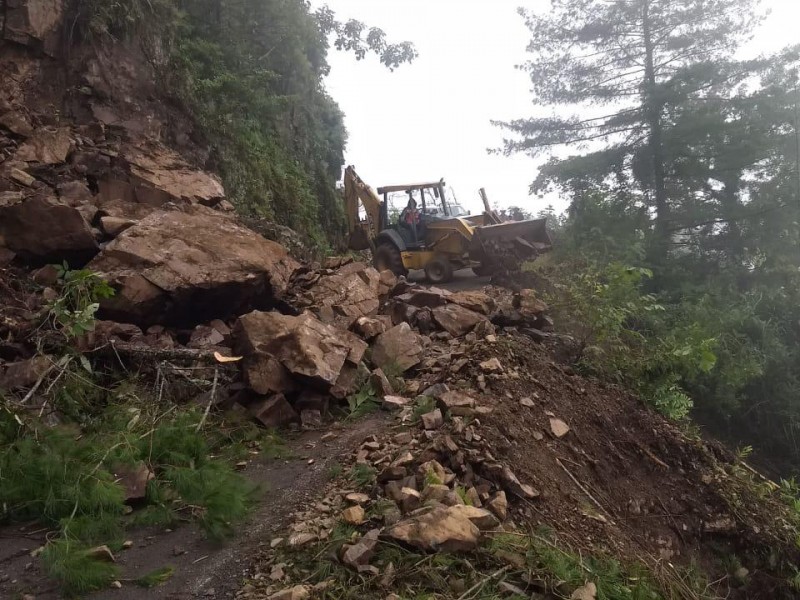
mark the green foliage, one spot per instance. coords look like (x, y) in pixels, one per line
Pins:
(75, 569)
(73, 312)
(422, 405)
(116, 19)
(156, 577)
(627, 335)
(251, 73)
(363, 402)
(63, 476)
(690, 171)
(335, 470)
(363, 475)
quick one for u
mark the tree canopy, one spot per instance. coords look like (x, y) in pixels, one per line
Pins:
(681, 160)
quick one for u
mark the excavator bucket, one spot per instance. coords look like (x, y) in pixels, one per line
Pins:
(508, 245)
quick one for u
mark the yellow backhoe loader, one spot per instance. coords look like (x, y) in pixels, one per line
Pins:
(433, 233)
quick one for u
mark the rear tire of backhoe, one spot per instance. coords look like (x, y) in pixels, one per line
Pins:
(439, 270)
(387, 257)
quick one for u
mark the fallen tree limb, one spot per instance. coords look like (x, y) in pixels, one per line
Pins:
(132, 350)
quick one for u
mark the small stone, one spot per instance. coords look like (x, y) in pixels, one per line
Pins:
(527, 402)
(585, 592)
(101, 553)
(394, 403)
(298, 592)
(435, 391)
(558, 427)
(410, 500)
(492, 365)
(116, 585)
(499, 505)
(404, 459)
(456, 403)
(392, 473)
(359, 554)
(127, 544)
(22, 177)
(432, 420)
(403, 438)
(381, 384)
(354, 515)
(276, 542)
(479, 516)
(301, 539)
(473, 498)
(357, 498)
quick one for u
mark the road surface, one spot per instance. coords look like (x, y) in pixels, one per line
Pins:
(464, 279)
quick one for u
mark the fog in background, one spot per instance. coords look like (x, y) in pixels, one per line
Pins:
(431, 119)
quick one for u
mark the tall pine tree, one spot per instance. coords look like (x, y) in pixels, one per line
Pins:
(627, 64)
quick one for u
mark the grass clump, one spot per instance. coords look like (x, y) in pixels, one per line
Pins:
(363, 475)
(64, 477)
(72, 564)
(156, 577)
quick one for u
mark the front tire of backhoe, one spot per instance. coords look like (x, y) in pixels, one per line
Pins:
(439, 270)
(387, 257)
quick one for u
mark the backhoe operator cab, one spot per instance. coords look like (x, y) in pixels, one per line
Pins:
(421, 226)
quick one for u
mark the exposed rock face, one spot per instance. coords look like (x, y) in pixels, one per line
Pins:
(162, 176)
(41, 228)
(189, 267)
(34, 22)
(45, 146)
(305, 347)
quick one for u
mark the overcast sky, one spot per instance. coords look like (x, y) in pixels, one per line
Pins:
(431, 119)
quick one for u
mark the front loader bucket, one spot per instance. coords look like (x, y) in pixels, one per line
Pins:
(510, 244)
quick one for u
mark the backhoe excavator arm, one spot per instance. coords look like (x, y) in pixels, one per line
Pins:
(362, 231)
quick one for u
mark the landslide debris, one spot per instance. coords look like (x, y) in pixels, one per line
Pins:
(494, 439)
(529, 470)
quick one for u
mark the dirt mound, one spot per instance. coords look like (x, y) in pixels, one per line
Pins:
(615, 477)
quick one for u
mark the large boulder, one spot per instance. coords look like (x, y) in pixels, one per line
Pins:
(34, 22)
(40, 228)
(191, 266)
(456, 320)
(440, 530)
(350, 291)
(306, 348)
(45, 146)
(159, 176)
(398, 348)
(473, 300)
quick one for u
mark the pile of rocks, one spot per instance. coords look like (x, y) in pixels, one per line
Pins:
(437, 488)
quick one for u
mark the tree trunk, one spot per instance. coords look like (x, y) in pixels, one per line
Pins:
(731, 214)
(653, 105)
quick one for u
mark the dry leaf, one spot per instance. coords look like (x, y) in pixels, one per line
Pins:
(226, 359)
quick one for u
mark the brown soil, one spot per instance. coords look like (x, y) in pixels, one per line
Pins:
(624, 481)
(202, 569)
